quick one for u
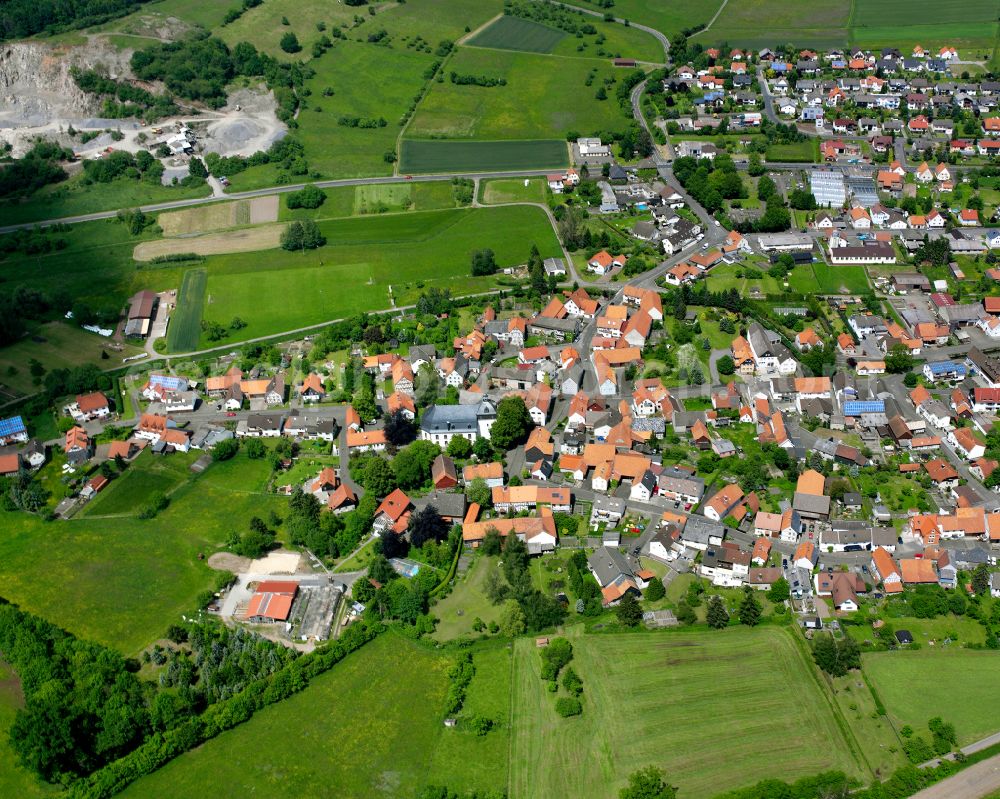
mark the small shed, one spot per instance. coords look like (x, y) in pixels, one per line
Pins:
(904, 637)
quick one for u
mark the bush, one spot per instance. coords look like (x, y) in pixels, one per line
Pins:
(567, 706)
(308, 197)
(290, 43)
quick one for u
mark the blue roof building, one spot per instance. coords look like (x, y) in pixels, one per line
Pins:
(13, 429)
(945, 370)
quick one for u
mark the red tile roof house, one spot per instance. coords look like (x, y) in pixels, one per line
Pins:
(393, 514)
(90, 406)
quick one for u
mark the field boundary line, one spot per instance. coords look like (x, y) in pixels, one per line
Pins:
(510, 718)
(711, 22)
(472, 34)
(424, 91)
(857, 752)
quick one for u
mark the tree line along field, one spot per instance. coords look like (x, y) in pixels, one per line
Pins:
(672, 701)
(370, 727)
(541, 100)
(363, 257)
(119, 580)
(433, 156)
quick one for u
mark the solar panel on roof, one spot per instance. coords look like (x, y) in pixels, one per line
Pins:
(858, 407)
(11, 426)
(169, 382)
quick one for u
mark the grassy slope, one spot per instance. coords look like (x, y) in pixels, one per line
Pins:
(363, 257)
(671, 18)
(704, 707)
(542, 99)
(392, 78)
(370, 727)
(65, 346)
(964, 692)
(121, 581)
(73, 198)
(467, 596)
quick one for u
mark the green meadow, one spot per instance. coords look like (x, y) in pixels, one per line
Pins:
(363, 258)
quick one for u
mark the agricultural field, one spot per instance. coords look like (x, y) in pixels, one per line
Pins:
(670, 18)
(645, 693)
(219, 216)
(433, 20)
(381, 197)
(967, 698)
(513, 190)
(797, 152)
(369, 727)
(541, 100)
(185, 323)
(516, 33)
(129, 578)
(56, 345)
(393, 78)
(437, 156)
(14, 780)
(758, 23)
(251, 239)
(971, 27)
(364, 258)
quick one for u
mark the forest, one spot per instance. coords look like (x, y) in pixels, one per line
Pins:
(21, 18)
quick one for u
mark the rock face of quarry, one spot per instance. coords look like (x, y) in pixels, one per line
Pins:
(36, 88)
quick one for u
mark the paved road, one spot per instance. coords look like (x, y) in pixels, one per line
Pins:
(975, 782)
(246, 195)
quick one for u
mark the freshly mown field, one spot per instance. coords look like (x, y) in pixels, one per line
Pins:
(365, 258)
(823, 279)
(756, 23)
(120, 580)
(667, 700)
(966, 692)
(670, 18)
(250, 239)
(437, 156)
(798, 152)
(56, 345)
(516, 33)
(14, 780)
(540, 100)
(514, 190)
(185, 323)
(369, 727)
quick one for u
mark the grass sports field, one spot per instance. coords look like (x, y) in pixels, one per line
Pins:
(122, 581)
(645, 693)
(363, 257)
(516, 33)
(369, 727)
(967, 698)
(541, 100)
(436, 156)
(185, 323)
(513, 190)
